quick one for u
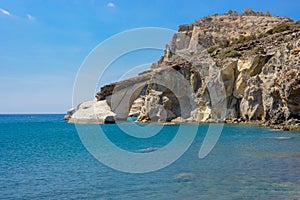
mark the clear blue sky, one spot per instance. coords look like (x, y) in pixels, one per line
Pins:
(43, 43)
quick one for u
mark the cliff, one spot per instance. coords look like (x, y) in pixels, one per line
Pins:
(232, 68)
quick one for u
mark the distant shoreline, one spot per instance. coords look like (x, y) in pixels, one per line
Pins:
(248, 123)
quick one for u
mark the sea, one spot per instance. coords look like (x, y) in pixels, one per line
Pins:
(44, 157)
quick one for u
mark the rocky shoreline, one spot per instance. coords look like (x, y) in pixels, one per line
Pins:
(223, 68)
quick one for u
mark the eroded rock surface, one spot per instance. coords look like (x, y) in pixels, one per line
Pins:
(90, 112)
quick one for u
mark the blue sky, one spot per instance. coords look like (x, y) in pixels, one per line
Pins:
(44, 42)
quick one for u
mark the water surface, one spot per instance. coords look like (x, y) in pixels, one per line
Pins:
(42, 157)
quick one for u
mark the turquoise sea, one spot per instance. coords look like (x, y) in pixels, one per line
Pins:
(42, 157)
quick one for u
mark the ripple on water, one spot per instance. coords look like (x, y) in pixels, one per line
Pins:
(280, 138)
(184, 177)
(147, 150)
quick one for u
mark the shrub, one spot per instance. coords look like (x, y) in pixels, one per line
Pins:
(212, 49)
(207, 19)
(230, 12)
(259, 13)
(280, 39)
(268, 14)
(251, 12)
(279, 28)
(243, 39)
(230, 54)
(283, 27)
(248, 12)
(253, 51)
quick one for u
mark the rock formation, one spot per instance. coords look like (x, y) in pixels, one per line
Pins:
(232, 68)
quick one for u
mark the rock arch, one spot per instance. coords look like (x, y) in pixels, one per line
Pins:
(121, 100)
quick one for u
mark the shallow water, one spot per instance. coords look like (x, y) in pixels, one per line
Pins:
(42, 157)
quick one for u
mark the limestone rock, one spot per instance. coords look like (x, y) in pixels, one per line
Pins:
(251, 104)
(228, 73)
(69, 114)
(92, 112)
(233, 68)
(136, 107)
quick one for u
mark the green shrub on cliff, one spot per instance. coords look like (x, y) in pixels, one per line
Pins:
(229, 54)
(254, 51)
(251, 12)
(243, 39)
(212, 49)
(248, 12)
(284, 27)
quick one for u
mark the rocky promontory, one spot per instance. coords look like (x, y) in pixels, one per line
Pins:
(223, 68)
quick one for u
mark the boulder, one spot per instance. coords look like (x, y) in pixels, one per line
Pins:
(97, 112)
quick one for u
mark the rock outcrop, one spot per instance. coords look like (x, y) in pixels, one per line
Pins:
(91, 112)
(227, 68)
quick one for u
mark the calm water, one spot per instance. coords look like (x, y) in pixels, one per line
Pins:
(42, 157)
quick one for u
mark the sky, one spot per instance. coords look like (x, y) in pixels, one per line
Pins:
(44, 42)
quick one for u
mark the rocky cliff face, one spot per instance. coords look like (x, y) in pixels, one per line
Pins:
(235, 68)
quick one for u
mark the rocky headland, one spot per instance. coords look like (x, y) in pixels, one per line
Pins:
(223, 68)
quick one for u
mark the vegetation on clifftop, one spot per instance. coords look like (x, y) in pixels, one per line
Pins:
(284, 27)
